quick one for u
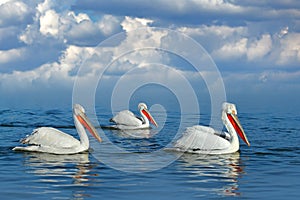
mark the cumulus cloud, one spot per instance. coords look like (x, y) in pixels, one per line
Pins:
(53, 23)
(49, 23)
(9, 55)
(232, 50)
(289, 49)
(229, 44)
(52, 27)
(109, 24)
(64, 70)
(259, 48)
(14, 13)
(130, 24)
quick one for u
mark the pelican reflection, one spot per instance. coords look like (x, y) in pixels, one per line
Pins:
(135, 134)
(56, 171)
(219, 173)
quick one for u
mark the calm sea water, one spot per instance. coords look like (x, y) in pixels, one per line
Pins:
(270, 168)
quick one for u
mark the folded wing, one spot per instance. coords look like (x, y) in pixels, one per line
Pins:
(201, 138)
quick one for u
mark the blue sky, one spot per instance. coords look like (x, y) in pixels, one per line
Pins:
(254, 44)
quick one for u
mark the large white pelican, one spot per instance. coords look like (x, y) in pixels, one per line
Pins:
(127, 120)
(51, 140)
(206, 140)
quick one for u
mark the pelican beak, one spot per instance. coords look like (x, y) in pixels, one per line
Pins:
(83, 119)
(149, 116)
(238, 127)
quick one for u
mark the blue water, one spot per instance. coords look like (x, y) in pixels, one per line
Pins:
(270, 168)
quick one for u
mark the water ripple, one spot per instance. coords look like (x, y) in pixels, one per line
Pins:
(267, 169)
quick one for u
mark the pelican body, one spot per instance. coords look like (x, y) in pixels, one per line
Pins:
(206, 140)
(51, 140)
(127, 120)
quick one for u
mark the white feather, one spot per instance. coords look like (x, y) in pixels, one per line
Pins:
(126, 118)
(201, 138)
(47, 136)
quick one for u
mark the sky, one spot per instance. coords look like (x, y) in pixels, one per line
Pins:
(127, 51)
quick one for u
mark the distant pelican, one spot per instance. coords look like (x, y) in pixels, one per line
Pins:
(206, 140)
(127, 120)
(51, 140)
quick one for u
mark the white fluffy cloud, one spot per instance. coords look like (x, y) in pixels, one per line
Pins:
(131, 24)
(289, 49)
(109, 24)
(9, 55)
(73, 56)
(49, 23)
(232, 50)
(259, 48)
(14, 13)
(234, 43)
(253, 49)
(66, 26)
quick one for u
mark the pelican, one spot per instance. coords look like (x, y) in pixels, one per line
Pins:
(51, 140)
(127, 120)
(206, 140)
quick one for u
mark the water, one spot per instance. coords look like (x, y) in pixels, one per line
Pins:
(270, 168)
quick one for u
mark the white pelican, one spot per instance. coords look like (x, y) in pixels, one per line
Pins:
(206, 140)
(127, 120)
(51, 140)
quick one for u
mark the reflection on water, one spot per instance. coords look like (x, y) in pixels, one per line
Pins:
(57, 171)
(137, 141)
(220, 171)
(134, 134)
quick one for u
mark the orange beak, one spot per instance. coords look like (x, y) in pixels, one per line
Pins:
(149, 116)
(88, 125)
(238, 127)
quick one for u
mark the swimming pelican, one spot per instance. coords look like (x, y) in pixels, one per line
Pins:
(51, 140)
(206, 140)
(127, 120)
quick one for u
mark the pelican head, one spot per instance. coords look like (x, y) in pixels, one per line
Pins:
(230, 113)
(80, 115)
(229, 108)
(78, 109)
(144, 111)
(142, 106)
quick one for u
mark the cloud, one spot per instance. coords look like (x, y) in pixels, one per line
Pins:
(259, 48)
(71, 58)
(44, 43)
(51, 30)
(232, 50)
(11, 55)
(14, 13)
(53, 77)
(228, 44)
(221, 31)
(56, 26)
(196, 11)
(49, 23)
(289, 50)
(130, 24)
(109, 25)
